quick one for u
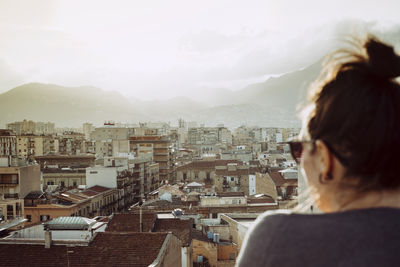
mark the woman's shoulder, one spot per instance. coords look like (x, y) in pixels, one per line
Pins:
(280, 223)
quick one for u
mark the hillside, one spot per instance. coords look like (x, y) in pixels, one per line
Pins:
(271, 103)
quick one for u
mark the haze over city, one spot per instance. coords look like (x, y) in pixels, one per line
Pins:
(163, 49)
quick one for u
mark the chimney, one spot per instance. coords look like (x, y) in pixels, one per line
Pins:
(47, 239)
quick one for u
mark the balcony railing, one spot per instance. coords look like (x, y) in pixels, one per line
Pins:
(8, 182)
(8, 195)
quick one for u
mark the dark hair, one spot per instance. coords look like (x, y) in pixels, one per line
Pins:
(356, 112)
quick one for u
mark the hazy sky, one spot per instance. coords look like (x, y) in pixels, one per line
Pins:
(161, 49)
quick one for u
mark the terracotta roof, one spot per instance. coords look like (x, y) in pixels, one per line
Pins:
(95, 190)
(198, 235)
(98, 188)
(35, 195)
(71, 198)
(163, 203)
(129, 222)
(180, 228)
(107, 249)
(279, 180)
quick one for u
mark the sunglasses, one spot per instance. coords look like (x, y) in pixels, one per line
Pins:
(296, 149)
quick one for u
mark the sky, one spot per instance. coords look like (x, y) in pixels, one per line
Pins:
(163, 49)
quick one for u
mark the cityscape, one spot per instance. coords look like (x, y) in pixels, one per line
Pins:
(81, 187)
(159, 133)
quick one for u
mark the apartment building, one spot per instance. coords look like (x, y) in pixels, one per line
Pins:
(8, 143)
(71, 143)
(116, 173)
(160, 148)
(33, 145)
(109, 132)
(15, 183)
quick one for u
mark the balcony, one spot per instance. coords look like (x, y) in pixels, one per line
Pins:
(8, 183)
(14, 195)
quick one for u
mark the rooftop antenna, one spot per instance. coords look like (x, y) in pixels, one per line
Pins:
(140, 216)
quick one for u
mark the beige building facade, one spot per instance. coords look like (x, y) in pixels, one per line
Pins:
(15, 184)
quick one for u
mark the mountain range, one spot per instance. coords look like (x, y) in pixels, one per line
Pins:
(270, 103)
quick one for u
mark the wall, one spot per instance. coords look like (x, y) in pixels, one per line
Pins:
(208, 250)
(222, 230)
(219, 201)
(252, 184)
(225, 250)
(67, 177)
(48, 209)
(29, 179)
(265, 185)
(106, 177)
(170, 253)
(238, 231)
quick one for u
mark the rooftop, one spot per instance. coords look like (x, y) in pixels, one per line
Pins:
(279, 180)
(131, 222)
(180, 228)
(107, 249)
(70, 223)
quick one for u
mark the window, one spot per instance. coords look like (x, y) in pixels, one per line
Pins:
(29, 217)
(208, 175)
(184, 176)
(44, 218)
(232, 179)
(62, 183)
(196, 175)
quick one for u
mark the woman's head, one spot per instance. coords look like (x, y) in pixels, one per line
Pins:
(355, 115)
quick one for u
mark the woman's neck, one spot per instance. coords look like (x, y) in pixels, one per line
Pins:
(373, 199)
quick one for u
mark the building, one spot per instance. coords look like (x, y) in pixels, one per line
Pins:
(286, 183)
(160, 148)
(29, 146)
(224, 199)
(73, 241)
(147, 172)
(44, 128)
(87, 129)
(71, 143)
(111, 148)
(116, 173)
(8, 143)
(64, 177)
(239, 224)
(64, 161)
(91, 202)
(64, 171)
(109, 132)
(16, 182)
(201, 171)
(234, 177)
(22, 127)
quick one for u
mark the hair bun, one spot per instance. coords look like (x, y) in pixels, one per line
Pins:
(383, 61)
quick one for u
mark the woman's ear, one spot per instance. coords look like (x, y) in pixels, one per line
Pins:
(324, 160)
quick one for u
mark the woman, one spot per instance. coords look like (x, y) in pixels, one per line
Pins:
(349, 155)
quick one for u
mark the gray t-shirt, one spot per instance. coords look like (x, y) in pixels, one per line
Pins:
(367, 237)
